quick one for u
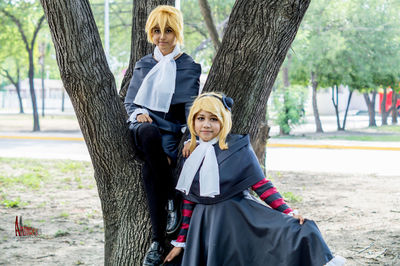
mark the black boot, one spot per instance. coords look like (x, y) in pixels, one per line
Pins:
(173, 218)
(154, 256)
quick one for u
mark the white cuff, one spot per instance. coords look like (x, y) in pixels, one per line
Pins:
(178, 244)
(294, 212)
(137, 112)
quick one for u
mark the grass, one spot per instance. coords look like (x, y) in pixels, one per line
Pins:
(291, 197)
(20, 174)
(10, 203)
(389, 128)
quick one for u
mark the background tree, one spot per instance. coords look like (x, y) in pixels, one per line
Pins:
(245, 74)
(28, 31)
(370, 34)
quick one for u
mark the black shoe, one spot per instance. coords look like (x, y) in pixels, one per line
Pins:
(173, 218)
(154, 256)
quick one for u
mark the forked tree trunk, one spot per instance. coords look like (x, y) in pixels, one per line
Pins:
(371, 108)
(266, 30)
(101, 116)
(254, 46)
(314, 85)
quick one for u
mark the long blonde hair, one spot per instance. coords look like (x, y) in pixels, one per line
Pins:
(163, 16)
(210, 102)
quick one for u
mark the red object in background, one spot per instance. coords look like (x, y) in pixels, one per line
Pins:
(388, 100)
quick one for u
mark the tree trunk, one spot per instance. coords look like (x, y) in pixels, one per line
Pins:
(253, 49)
(212, 30)
(336, 105)
(139, 44)
(18, 88)
(371, 108)
(286, 85)
(314, 84)
(347, 109)
(31, 72)
(384, 113)
(29, 48)
(101, 116)
(41, 62)
(395, 110)
(17, 85)
(245, 74)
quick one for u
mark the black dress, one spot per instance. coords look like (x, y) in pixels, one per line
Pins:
(235, 228)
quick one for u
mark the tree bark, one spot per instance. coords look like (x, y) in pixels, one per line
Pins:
(139, 44)
(253, 49)
(245, 74)
(395, 110)
(208, 19)
(371, 108)
(314, 84)
(101, 116)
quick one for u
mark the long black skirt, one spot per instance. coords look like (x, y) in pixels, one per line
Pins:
(241, 231)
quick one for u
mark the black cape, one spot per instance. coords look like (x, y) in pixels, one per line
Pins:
(239, 169)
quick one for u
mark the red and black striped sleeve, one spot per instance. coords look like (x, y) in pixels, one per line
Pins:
(268, 193)
(187, 210)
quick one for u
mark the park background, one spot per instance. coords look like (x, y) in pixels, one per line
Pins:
(344, 176)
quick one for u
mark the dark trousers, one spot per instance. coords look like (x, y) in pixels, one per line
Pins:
(157, 176)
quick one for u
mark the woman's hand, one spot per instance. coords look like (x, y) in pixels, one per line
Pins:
(299, 217)
(173, 253)
(144, 118)
(186, 150)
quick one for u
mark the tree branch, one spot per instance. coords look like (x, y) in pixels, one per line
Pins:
(206, 13)
(39, 25)
(19, 25)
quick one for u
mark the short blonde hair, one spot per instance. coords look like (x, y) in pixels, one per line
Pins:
(165, 16)
(210, 102)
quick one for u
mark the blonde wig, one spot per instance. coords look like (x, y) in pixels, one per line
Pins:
(209, 103)
(165, 16)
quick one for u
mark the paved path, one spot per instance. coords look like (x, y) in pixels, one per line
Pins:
(380, 158)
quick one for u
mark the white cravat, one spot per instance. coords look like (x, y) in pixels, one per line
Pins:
(209, 172)
(158, 86)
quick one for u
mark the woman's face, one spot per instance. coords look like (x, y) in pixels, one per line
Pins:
(165, 41)
(206, 125)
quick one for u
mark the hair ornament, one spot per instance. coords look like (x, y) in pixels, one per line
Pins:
(226, 101)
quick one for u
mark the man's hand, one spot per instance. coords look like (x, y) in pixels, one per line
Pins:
(186, 150)
(173, 253)
(299, 217)
(144, 118)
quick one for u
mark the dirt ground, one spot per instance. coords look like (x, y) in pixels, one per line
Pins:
(359, 216)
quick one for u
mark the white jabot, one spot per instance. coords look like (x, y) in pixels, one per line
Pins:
(158, 86)
(209, 173)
